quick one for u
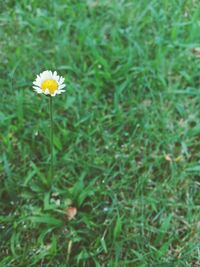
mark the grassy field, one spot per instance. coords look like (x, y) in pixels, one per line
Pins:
(126, 134)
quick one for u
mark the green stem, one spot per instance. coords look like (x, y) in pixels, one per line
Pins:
(51, 134)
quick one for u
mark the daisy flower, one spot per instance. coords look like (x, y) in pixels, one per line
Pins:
(49, 83)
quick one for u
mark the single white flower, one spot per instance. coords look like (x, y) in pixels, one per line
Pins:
(49, 83)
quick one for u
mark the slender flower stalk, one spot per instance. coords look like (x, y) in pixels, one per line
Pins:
(51, 136)
(50, 84)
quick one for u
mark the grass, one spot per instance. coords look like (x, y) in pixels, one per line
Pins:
(126, 134)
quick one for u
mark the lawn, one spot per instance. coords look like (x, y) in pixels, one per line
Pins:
(126, 134)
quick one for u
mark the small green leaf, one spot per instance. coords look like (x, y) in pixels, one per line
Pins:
(46, 219)
(163, 229)
(195, 168)
(103, 243)
(118, 227)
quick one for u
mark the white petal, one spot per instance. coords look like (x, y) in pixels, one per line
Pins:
(62, 86)
(55, 76)
(38, 79)
(61, 80)
(37, 83)
(47, 92)
(46, 75)
(39, 91)
(61, 91)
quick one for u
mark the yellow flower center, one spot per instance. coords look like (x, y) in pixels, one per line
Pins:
(51, 85)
